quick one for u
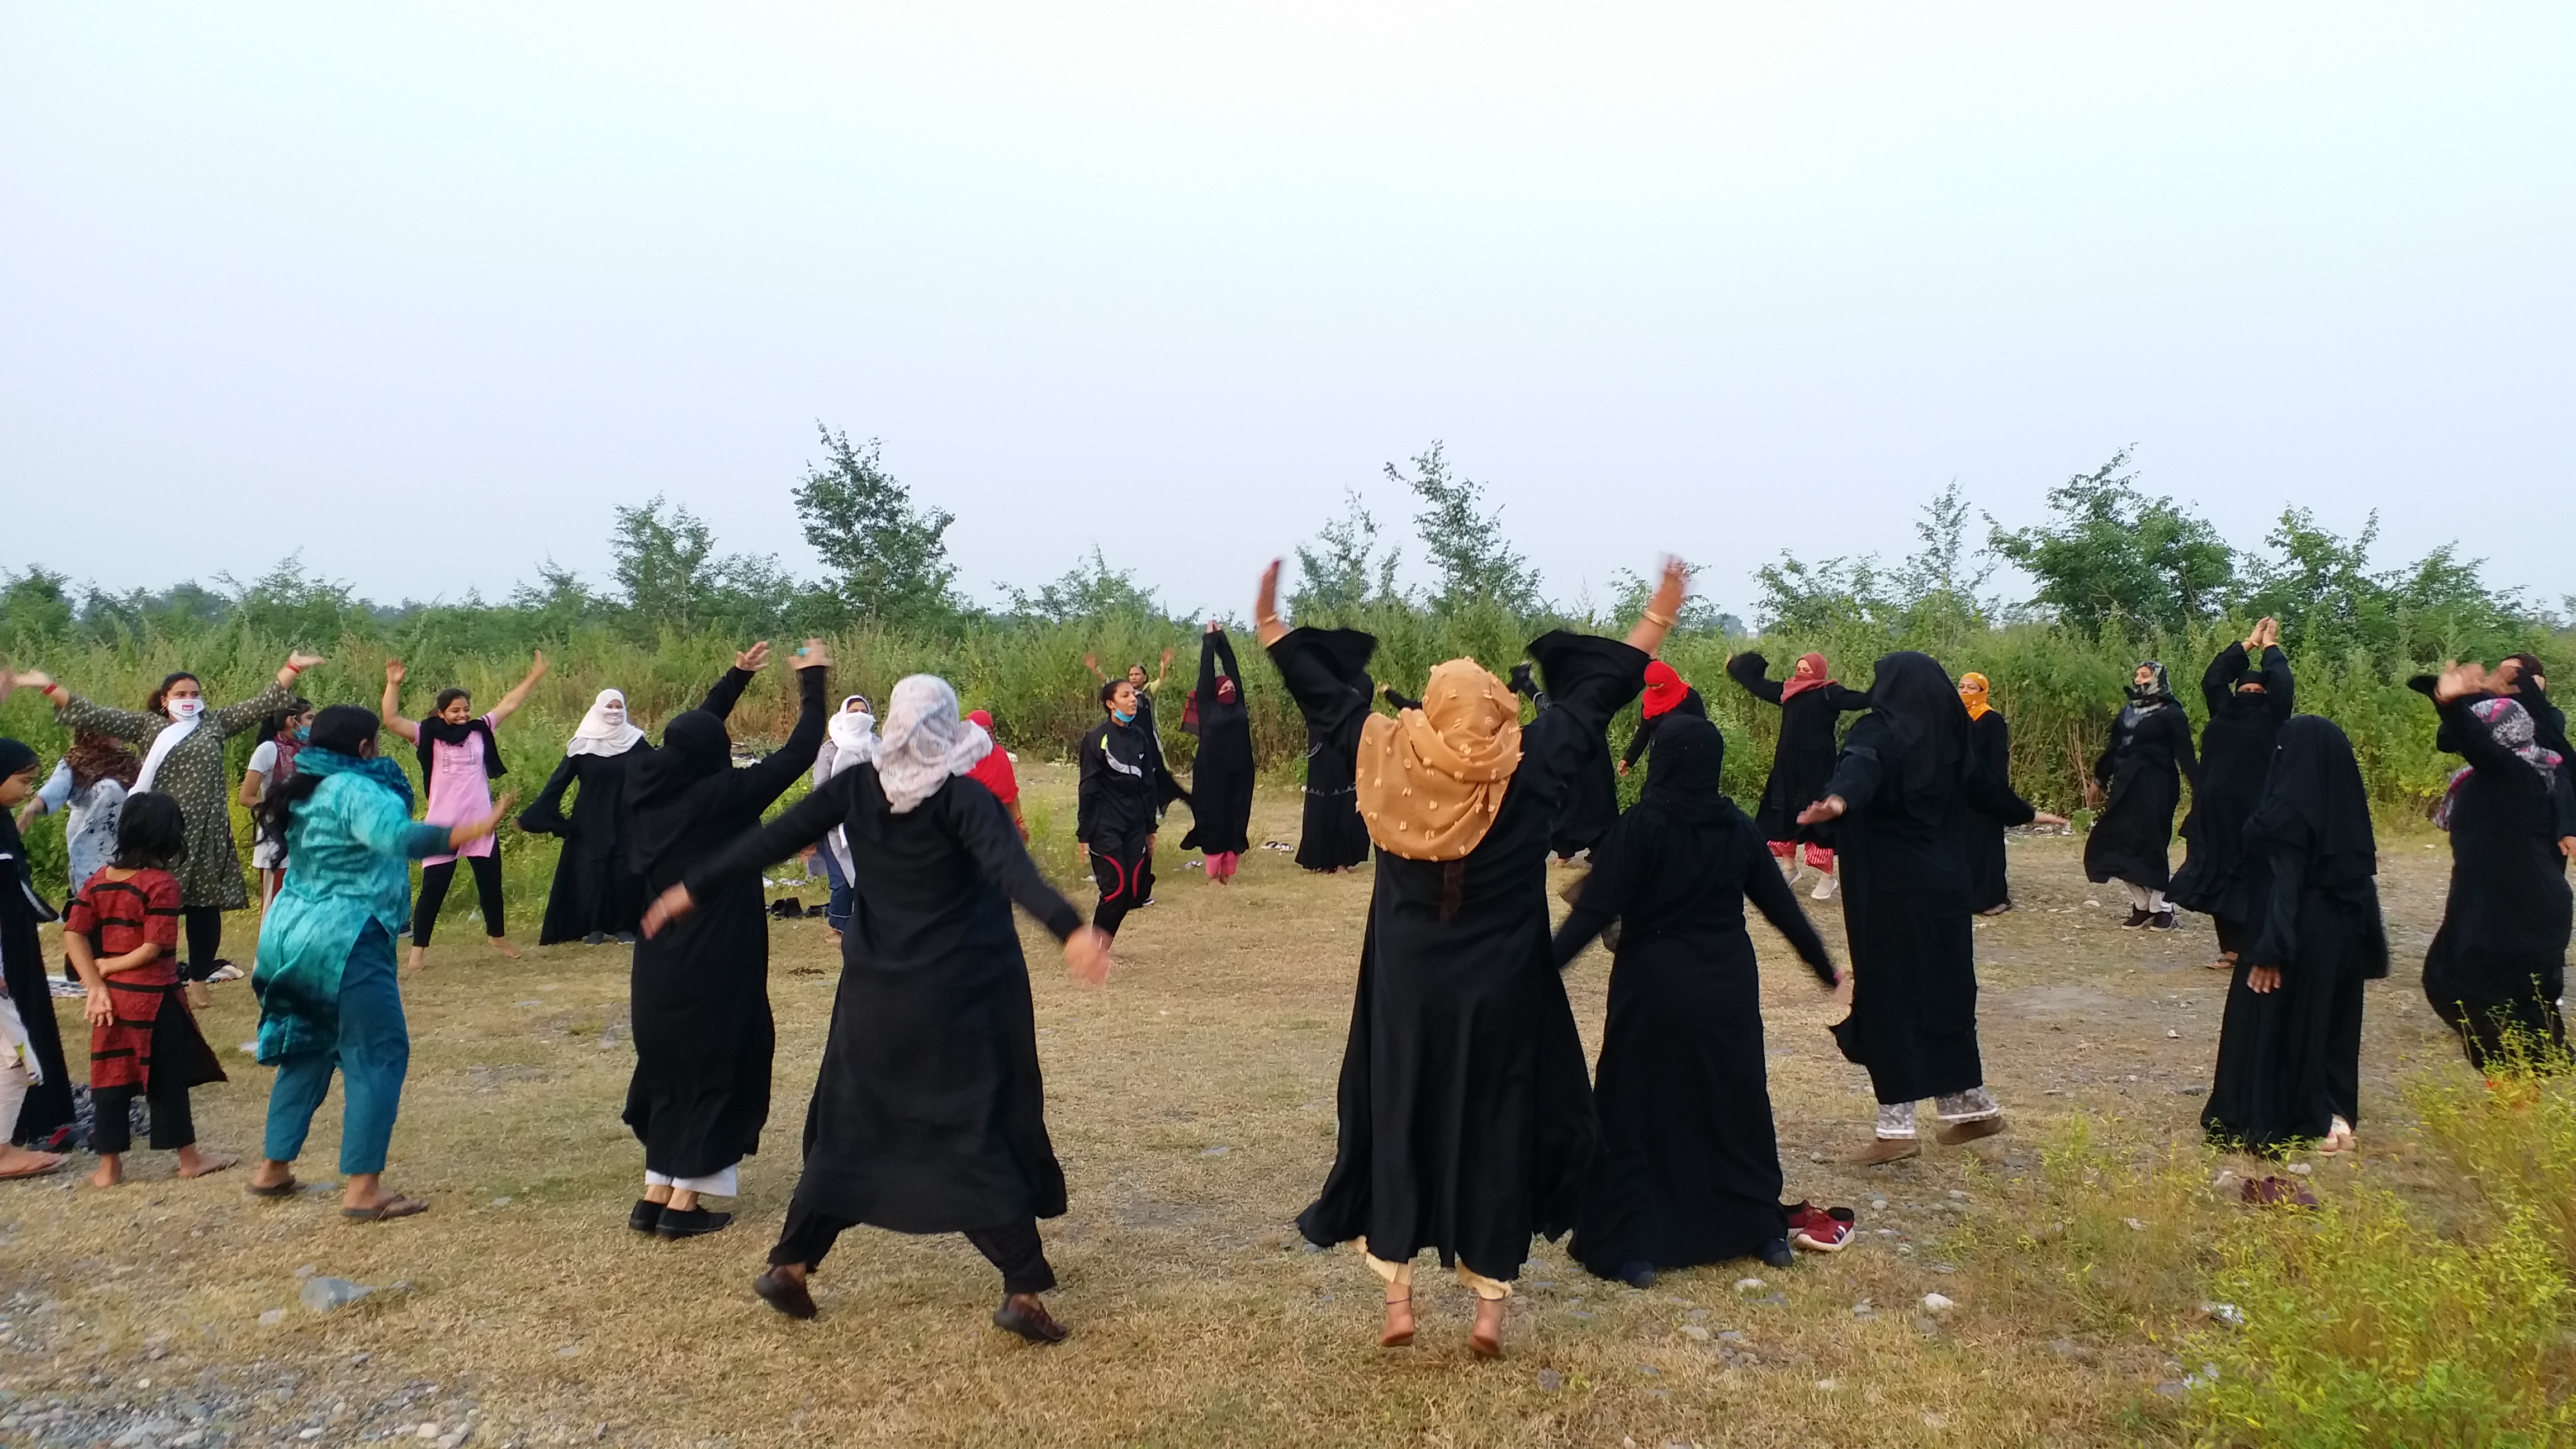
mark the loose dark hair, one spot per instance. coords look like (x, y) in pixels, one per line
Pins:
(151, 833)
(95, 757)
(2531, 665)
(161, 696)
(1109, 689)
(274, 723)
(450, 696)
(341, 728)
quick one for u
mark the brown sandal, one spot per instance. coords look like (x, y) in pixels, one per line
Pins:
(391, 1208)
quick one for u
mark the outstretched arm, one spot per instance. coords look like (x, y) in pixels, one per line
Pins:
(1754, 672)
(769, 779)
(395, 673)
(510, 702)
(1769, 891)
(1225, 655)
(726, 692)
(1266, 625)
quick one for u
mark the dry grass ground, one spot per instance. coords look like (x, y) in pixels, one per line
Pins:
(1191, 1102)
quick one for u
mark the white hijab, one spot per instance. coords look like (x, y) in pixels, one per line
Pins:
(925, 742)
(599, 733)
(853, 737)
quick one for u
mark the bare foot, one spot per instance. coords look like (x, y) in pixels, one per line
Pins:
(419, 958)
(110, 1172)
(19, 1162)
(502, 945)
(1399, 1323)
(193, 1163)
(1487, 1338)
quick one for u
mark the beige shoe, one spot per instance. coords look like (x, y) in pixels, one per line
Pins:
(1885, 1150)
(1959, 1133)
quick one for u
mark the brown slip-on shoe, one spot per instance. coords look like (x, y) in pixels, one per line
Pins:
(789, 1298)
(1025, 1315)
(1957, 1134)
(1885, 1150)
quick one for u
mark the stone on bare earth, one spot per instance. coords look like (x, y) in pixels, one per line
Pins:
(1935, 1303)
(328, 1295)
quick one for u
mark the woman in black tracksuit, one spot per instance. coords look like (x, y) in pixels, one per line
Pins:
(1124, 788)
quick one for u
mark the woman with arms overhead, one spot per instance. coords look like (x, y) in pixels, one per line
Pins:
(930, 1114)
(1981, 837)
(2498, 964)
(2249, 693)
(35, 1090)
(1465, 1120)
(1123, 788)
(183, 757)
(704, 1037)
(2140, 777)
(596, 893)
(1689, 1167)
(2289, 1056)
(1327, 671)
(459, 759)
(1908, 773)
(1221, 778)
(329, 1001)
(1811, 700)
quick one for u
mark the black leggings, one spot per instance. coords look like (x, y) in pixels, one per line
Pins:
(1124, 867)
(173, 1125)
(205, 926)
(1013, 1247)
(433, 894)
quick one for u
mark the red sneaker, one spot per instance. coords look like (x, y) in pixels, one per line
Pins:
(1820, 1230)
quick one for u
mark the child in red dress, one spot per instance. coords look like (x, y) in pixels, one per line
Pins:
(122, 936)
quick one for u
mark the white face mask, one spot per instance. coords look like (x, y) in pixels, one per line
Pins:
(186, 709)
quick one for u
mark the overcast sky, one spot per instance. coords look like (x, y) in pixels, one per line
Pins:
(424, 290)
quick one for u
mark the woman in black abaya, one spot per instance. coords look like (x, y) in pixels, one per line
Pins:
(1811, 701)
(2247, 704)
(1907, 774)
(2140, 774)
(929, 1115)
(2289, 1056)
(1689, 1167)
(2498, 964)
(1333, 690)
(703, 1034)
(597, 893)
(31, 1040)
(1221, 780)
(1592, 791)
(1981, 836)
(1465, 1117)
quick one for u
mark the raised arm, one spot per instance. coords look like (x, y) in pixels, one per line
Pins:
(769, 779)
(1225, 655)
(2280, 690)
(1753, 671)
(1266, 625)
(727, 691)
(234, 719)
(1208, 665)
(395, 673)
(76, 714)
(1770, 893)
(2218, 681)
(510, 702)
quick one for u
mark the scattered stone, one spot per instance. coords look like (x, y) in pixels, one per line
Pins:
(1927, 1326)
(426, 1431)
(569, 1350)
(1748, 1285)
(1695, 1333)
(2226, 1182)
(500, 1202)
(1957, 1196)
(1650, 1371)
(1936, 1421)
(2134, 1225)
(326, 1295)
(307, 1271)
(1815, 1157)
(1216, 1152)
(2172, 1389)
(1730, 1335)
(359, 1358)
(2225, 1314)
(1862, 1309)
(1578, 1313)
(1826, 1386)
(1936, 1303)
(2067, 1348)
(1550, 1380)
(1878, 1204)
(2299, 1169)
(272, 1318)
(2172, 1035)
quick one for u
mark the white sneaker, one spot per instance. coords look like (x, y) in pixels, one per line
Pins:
(1824, 890)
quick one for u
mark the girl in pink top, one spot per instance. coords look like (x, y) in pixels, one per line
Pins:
(458, 758)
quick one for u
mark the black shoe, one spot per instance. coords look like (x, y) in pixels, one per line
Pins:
(1024, 1315)
(646, 1217)
(2164, 921)
(1639, 1274)
(2135, 920)
(626, 938)
(1776, 1253)
(593, 939)
(788, 1298)
(695, 1223)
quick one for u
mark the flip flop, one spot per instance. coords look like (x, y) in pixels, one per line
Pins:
(288, 1188)
(58, 1165)
(393, 1207)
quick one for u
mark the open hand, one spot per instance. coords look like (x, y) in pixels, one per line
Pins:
(753, 659)
(1213, 626)
(2459, 680)
(1623, 767)
(537, 667)
(669, 906)
(2044, 818)
(98, 1008)
(395, 673)
(2263, 979)
(814, 654)
(2567, 846)
(1829, 808)
(299, 661)
(1086, 955)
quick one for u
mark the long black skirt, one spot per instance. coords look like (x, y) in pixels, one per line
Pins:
(2289, 1060)
(2132, 840)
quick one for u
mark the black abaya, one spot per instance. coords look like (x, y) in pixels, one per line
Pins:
(1643, 741)
(1906, 776)
(48, 1107)
(2498, 963)
(2218, 876)
(929, 1113)
(596, 888)
(2142, 770)
(1327, 674)
(1981, 836)
(1221, 779)
(704, 1038)
(1689, 1167)
(1466, 1120)
(2289, 1060)
(1804, 758)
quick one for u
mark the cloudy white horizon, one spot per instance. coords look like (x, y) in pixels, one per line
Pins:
(423, 291)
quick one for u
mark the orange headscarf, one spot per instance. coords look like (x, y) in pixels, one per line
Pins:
(1431, 780)
(1972, 693)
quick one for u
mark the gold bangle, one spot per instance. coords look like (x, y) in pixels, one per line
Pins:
(1660, 621)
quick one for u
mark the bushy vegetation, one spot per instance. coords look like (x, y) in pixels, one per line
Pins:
(2120, 575)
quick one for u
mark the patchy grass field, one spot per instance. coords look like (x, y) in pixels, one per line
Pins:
(1191, 1102)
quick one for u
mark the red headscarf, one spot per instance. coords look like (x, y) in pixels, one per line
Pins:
(1664, 688)
(1811, 674)
(993, 772)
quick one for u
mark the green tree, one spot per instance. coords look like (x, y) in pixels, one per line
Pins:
(1090, 590)
(2112, 552)
(289, 602)
(1476, 564)
(35, 608)
(670, 578)
(888, 558)
(1344, 573)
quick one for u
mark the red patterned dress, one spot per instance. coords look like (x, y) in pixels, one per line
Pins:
(118, 916)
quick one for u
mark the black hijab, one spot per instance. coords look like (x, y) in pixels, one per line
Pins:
(436, 730)
(17, 882)
(695, 748)
(1913, 694)
(1684, 780)
(2314, 807)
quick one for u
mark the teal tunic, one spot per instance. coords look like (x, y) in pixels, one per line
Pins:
(352, 841)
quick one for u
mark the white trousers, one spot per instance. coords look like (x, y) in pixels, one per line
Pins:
(715, 1184)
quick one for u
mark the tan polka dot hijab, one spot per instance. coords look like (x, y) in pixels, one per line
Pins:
(1431, 780)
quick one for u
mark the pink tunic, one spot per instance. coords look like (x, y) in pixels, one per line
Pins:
(459, 790)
